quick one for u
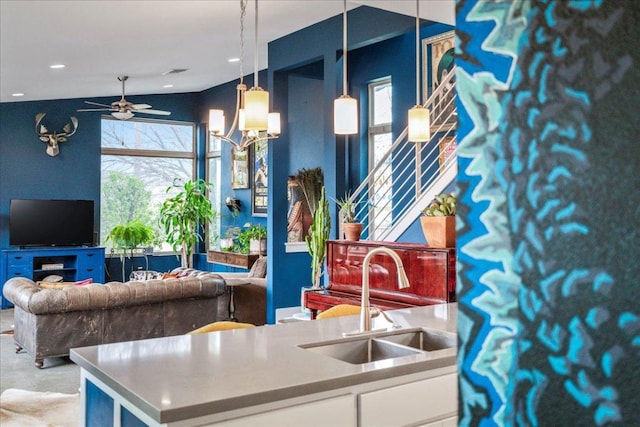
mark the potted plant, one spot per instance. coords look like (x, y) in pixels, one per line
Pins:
(134, 234)
(439, 221)
(317, 239)
(181, 214)
(227, 243)
(257, 235)
(347, 206)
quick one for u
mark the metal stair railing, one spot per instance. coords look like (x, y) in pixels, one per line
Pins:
(410, 174)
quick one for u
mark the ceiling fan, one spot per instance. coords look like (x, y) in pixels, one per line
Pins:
(124, 109)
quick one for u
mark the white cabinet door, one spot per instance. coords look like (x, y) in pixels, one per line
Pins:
(334, 412)
(422, 401)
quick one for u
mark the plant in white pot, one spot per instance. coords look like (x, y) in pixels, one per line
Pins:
(439, 221)
(181, 214)
(257, 235)
(352, 229)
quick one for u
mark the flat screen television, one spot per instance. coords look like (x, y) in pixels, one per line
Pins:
(50, 222)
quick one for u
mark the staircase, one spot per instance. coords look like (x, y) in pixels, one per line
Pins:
(410, 174)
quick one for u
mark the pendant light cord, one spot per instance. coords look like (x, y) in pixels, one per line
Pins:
(255, 73)
(417, 52)
(344, 49)
(243, 12)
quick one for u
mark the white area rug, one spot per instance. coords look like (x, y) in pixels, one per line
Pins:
(21, 408)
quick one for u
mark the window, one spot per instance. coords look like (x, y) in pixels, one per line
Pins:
(140, 160)
(380, 141)
(213, 175)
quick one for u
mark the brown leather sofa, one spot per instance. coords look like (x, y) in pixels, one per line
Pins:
(49, 322)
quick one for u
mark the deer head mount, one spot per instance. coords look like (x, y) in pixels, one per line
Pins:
(53, 139)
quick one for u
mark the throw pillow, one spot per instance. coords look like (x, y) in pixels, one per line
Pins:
(259, 268)
(55, 285)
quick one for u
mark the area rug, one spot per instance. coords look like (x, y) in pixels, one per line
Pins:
(22, 408)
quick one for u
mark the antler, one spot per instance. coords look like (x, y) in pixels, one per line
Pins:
(52, 139)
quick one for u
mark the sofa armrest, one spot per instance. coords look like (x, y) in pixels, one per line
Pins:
(19, 290)
(251, 301)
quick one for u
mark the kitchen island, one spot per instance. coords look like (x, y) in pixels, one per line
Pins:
(272, 375)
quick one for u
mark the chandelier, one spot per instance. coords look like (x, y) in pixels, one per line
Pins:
(252, 117)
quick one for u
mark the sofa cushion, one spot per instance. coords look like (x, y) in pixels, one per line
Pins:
(259, 268)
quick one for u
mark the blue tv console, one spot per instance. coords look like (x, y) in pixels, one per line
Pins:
(71, 263)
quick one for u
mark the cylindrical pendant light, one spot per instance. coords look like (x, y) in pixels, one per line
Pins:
(345, 115)
(216, 122)
(274, 124)
(256, 109)
(256, 100)
(345, 108)
(419, 122)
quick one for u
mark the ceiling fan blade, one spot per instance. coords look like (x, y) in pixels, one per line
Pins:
(95, 109)
(97, 103)
(157, 112)
(140, 106)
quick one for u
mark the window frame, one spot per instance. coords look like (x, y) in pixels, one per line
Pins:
(373, 130)
(210, 154)
(132, 152)
(376, 129)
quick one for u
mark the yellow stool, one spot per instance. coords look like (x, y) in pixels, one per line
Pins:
(221, 326)
(339, 310)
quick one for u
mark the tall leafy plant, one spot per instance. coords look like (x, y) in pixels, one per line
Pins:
(181, 214)
(317, 238)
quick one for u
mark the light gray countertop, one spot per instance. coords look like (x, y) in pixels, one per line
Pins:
(185, 376)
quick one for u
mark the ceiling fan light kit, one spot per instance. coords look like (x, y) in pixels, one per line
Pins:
(123, 109)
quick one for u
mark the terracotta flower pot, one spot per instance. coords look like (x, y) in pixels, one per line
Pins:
(440, 231)
(352, 230)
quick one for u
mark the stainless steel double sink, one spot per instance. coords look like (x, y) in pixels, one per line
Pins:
(358, 350)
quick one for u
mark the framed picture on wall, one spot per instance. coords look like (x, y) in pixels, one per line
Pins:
(239, 168)
(437, 64)
(447, 147)
(259, 161)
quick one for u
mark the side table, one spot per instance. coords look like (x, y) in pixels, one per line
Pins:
(232, 283)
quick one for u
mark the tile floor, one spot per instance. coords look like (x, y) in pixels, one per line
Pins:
(59, 374)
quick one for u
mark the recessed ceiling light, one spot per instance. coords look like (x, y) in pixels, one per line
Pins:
(17, 94)
(167, 86)
(56, 66)
(234, 59)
